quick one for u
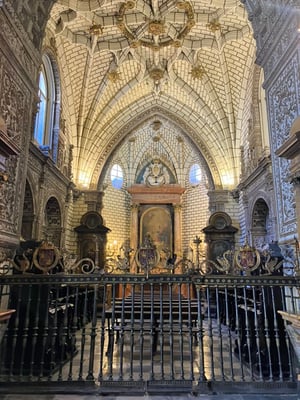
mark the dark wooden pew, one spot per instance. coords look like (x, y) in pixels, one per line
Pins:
(152, 317)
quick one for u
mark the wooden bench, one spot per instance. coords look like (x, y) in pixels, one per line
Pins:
(155, 318)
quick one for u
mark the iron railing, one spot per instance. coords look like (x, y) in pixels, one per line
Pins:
(148, 333)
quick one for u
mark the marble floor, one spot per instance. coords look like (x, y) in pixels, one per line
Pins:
(248, 394)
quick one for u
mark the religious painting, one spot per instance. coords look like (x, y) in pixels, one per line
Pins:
(156, 223)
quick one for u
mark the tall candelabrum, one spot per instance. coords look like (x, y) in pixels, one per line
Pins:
(197, 241)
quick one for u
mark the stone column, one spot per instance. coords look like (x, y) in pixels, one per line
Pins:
(134, 228)
(177, 230)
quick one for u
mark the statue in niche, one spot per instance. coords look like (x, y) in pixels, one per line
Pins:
(156, 174)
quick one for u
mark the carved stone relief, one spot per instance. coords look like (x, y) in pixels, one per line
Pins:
(48, 183)
(284, 97)
(12, 105)
(31, 17)
(15, 103)
(17, 48)
(266, 18)
(8, 219)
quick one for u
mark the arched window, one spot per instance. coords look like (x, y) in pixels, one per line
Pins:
(195, 174)
(48, 110)
(116, 176)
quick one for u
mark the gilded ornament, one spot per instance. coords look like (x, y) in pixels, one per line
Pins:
(114, 76)
(182, 5)
(135, 44)
(155, 47)
(156, 74)
(156, 27)
(214, 26)
(121, 26)
(190, 23)
(96, 30)
(130, 5)
(197, 72)
(177, 43)
(156, 125)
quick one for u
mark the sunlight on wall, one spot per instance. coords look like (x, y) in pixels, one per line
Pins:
(83, 179)
(227, 180)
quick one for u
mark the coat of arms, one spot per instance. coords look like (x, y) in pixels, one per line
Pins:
(46, 256)
(147, 256)
(247, 258)
(156, 174)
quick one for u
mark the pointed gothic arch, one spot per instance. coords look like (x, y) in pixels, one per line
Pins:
(53, 221)
(260, 223)
(27, 228)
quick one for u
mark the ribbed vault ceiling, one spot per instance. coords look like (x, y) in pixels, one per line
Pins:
(123, 62)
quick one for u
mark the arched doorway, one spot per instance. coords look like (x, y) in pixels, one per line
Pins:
(28, 214)
(52, 228)
(260, 223)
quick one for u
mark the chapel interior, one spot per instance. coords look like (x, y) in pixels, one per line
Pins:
(149, 136)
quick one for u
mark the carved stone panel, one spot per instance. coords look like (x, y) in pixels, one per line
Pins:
(15, 101)
(284, 100)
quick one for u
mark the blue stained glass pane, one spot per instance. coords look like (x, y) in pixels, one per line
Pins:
(40, 122)
(116, 176)
(42, 84)
(195, 174)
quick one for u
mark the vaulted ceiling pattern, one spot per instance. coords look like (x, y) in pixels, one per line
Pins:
(123, 62)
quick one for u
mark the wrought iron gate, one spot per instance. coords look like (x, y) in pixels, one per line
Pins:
(156, 333)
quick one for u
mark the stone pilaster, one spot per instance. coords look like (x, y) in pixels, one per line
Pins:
(178, 230)
(134, 228)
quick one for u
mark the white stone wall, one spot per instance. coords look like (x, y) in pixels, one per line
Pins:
(171, 145)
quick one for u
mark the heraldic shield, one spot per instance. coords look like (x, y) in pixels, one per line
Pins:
(147, 256)
(247, 259)
(46, 257)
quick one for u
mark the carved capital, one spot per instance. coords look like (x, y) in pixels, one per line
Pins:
(295, 179)
(235, 194)
(177, 207)
(134, 207)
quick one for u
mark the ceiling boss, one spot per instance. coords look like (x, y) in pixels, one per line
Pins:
(157, 31)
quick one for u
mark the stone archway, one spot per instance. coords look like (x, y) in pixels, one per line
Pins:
(27, 228)
(52, 227)
(260, 223)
